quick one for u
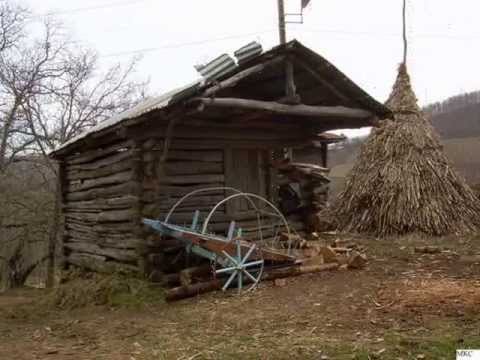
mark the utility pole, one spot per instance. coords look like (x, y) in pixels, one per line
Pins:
(290, 90)
(281, 22)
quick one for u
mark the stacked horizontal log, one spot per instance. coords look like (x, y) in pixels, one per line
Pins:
(309, 185)
(183, 171)
(99, 209)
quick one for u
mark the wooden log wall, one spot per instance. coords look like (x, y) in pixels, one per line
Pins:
(192, 165)
(100, 209)
(108, 190)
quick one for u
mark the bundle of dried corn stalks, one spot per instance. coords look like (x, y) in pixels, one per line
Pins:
(402, 182)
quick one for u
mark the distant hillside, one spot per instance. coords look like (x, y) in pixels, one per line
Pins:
(456, 119)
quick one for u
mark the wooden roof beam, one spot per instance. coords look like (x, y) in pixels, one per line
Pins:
(284, 109)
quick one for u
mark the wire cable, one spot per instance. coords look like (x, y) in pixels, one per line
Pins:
(181, 45)
(91, 8)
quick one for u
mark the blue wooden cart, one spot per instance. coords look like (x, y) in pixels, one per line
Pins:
(240, 261)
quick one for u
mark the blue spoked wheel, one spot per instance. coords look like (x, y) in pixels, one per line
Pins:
(242, 268)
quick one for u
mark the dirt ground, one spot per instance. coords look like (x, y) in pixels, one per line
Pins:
(404, 305)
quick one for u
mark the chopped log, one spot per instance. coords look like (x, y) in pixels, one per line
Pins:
(165, 280)
(291, 110)
(189, 275)
(129, 256)
(183, 292)
(356, 260)
(428, 249)
(99, 264)
(297, 270)
(329, 254)
(114, 179)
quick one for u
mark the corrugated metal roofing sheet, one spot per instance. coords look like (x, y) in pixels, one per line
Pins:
(154, 103)
(217, 67)
(248, 51)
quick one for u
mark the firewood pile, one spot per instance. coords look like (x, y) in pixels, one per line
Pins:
(402, 181)
(314, 254)
(303, 188)
(315, 250)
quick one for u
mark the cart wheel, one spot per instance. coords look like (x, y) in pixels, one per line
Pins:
(240, 266)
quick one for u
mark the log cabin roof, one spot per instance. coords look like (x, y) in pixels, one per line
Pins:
(318, 83)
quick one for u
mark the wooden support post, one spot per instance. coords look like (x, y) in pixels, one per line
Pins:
(281, 22)
(324, 154)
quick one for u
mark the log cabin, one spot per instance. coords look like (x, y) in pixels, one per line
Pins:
(220, 132)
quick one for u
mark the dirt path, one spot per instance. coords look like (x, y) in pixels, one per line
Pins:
(403, 306)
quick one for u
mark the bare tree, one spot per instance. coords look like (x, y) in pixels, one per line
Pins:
(50, 91)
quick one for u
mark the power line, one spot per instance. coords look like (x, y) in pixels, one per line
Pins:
(91, 8)
(180, 45)
(385, 34)
(328, 31)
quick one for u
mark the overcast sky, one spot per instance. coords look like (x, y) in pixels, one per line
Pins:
(362, 38)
